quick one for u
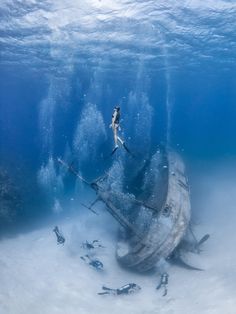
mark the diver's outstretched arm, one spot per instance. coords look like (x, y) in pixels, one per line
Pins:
(103, 293)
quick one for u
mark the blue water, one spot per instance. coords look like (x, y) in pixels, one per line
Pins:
(64, 65)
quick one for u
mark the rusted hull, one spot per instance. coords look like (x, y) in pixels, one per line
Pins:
(166, 229)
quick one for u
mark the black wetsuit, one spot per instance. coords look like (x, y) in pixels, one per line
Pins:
(92, 262)
(126, 289)
(60, 238)
(163, 283)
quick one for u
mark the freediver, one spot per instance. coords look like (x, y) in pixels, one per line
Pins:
(60, 238)
(115, 125)
(95, 263)
(163, 283)
(126, 289)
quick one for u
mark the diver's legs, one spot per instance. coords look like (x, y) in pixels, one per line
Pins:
(115, 140)
(108, 291)
(106, 288)
(123, 144)
(165, 291)
(115, 136)
(120, 140)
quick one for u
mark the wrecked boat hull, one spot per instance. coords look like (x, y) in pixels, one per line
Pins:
(155, 225)
(166, 228)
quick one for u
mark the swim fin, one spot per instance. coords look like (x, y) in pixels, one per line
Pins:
(127, 149)
(106, 288)
(114, 150)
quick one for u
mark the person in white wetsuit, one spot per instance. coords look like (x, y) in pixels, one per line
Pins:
(115, 125)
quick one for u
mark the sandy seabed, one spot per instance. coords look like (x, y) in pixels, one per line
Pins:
(37, 276)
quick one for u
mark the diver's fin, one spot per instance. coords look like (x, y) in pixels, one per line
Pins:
(127, 149)
(106, 288)
(103, 293)
(203, 239)
(179, 262)
(158, 286)
(114, 150)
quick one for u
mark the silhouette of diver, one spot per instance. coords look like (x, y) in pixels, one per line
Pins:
(126, 289)
(163, 283)
(60, 238)
(95, 263)
(92, 245)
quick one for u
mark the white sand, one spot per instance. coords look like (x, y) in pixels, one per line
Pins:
(37, 276)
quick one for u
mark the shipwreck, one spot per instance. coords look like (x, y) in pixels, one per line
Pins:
(154, 223)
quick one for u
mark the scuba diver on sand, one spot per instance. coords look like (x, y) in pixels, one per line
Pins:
(126, 289)
(95, 263)
(163, 283)
(92, 245)
(60, 238)
(115, 125)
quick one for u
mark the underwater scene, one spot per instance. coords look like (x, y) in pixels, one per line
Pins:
(117, 157)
